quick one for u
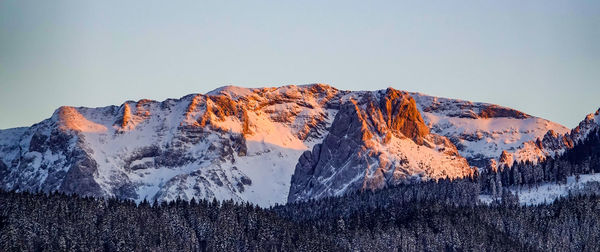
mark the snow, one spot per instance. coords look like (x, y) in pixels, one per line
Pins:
(9, 140)
(279, 120)
(548, 192)
(486, 137)
(270, 173)
(142, 161)
(151, 181)
(273, 147)
(69, 118)
(10, 136)
(591, 121)
(267, 133)
(273, 151)
(232, 91)
(551, 191)
(499, 133)
(423, 160)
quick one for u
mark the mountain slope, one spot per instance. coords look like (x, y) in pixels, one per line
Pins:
(215, 145)
(375, 140)
(573, 169)
(482, 131)
(245, 144)
(553, 143)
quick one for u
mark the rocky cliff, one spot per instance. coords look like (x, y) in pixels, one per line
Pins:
(375, 140)
(263, 145)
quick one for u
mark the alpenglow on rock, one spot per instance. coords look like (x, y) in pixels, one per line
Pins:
(375, 140)
(246, 143)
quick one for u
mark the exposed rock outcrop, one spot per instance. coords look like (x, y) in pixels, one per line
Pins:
(126, 118)
(246, 143)
(377, 141)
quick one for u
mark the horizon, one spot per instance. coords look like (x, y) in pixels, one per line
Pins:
(538, 57)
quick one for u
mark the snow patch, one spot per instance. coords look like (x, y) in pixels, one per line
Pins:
(548, 192)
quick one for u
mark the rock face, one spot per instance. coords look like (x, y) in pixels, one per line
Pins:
(399, 112)
(232, 143)
(263, 145)
(378, 140)
(50, 156)
(590, 122)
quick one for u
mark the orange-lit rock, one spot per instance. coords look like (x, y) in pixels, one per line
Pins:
(70, 119)
(126, 115)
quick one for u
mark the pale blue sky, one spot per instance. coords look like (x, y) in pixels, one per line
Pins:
(541, 57)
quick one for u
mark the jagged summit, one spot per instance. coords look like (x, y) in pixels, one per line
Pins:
(237, 91)
(589, 123)
(375, 141)
(264, 145)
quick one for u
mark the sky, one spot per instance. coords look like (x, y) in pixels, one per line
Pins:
(540, 57)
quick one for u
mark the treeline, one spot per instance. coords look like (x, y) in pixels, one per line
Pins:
(438, 215)
(59, 222)
(464, 192)
(583, 158)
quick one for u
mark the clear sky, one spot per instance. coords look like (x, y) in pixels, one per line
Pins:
(541, 57)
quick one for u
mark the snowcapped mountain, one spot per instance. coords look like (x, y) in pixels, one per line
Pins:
(572, 169)
(591, 122)
(264, 145)
(231, 143)
(482, 132)
(553, 143)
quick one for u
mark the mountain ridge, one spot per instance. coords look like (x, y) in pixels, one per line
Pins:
(227, 142)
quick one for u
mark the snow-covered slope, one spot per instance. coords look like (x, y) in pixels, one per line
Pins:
(575, 158)
(552, 143)
(223, 144)
(591, 122)
(482, 131)
(246, 144)
(549, 192)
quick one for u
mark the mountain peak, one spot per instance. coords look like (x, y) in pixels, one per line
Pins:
(594, 116)
(253, 144)
(401, 113)
(69, 118)
(232, 91)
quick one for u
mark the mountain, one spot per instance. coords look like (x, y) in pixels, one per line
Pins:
(571, 168)
(376, 139)
(553, 143)
(482, 132)
(264, 145)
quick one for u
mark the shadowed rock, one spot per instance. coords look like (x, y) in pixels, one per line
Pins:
(354, 154)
